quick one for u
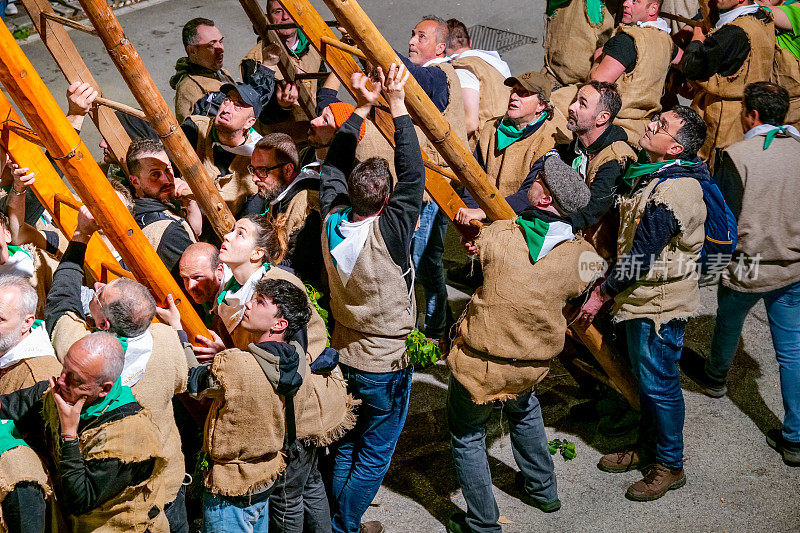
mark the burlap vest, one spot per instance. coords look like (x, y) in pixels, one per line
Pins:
(45, 265)
(234, 187)
(300, 206)
(670, 288)
(514, 323)
(29, 372)
(494, 93)
(454, 113)
(193, 88)
(245, 427)
(786, 73)
(18, 465)
(508, 169)
(155, 230)
(719, 100)
(603, 235)
(136, 508)
(374, 312)
(68, 329)
(641, 89)
(571, 40)
(768, 225)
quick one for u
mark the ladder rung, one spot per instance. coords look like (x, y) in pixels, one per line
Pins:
(115, 269)
(336, 43)
(75, 25)
(128, 110)
(23, 131)
(70, 201)
(292, 25)
(311, 75)
(446, 172)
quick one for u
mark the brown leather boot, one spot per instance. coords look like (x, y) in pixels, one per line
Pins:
(618, 462)
(373, 526)
(658, 480)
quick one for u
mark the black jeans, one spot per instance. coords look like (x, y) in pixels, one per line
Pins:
(298, 501)
(24, 509)
(176, 513)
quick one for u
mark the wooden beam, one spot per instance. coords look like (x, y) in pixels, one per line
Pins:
(457, 154)
(681, 19)
(74, 24)
(128, 110)
(135, 74)
(69, 60)
(45, 116)
(326, 41)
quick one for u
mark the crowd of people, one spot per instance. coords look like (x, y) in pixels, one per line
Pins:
(287, 416)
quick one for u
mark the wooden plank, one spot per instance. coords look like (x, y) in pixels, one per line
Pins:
(69, 60)
(47, 119)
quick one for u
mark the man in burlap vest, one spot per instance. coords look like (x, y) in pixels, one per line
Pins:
(104, 480)
(25, 488)
(482, 74)
(637, 58)
(200, 72)
(271, 410)
(740, 50)
(164, 207)
(202, 273)
(654, 291)
(513, 326)
(289, 191)
(367, 230)
(225, 143)
(758, 177)
(154, 365)
(303, 57)
(429, 65)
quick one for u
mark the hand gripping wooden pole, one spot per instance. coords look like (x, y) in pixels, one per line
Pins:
(44, 114)
(458, 156)
(135, 74)
(343, 65)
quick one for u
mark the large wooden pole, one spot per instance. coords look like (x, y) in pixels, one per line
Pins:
(47, 119)
(457, 154)
(343, 65)
(69, 60)
(133, 71)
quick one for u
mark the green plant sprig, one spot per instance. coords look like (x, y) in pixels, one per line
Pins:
(421, 350)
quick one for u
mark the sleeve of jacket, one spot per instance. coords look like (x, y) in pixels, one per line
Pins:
(174, 241)
(433, 81)
(602, 196)
(338, 164)
(65, 294)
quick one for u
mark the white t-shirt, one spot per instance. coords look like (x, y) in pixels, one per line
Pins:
(470, 80)
(19, 263)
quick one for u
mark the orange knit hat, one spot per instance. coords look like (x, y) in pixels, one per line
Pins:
(341, 112)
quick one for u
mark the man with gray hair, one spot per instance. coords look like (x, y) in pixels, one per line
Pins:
(26, 355)
(154, 364)
(85, 419)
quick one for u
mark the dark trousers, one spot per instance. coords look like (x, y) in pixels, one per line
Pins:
(24, 509)
(298, 501)
(176, 513)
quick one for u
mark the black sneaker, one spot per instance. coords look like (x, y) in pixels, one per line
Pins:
(545, 507)
(693, 367)
(458, 524)
(789, 450)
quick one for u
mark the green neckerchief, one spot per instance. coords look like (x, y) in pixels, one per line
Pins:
(14, 249)
(335, 238)
(534, 232)
(9, 436)
(118, 396)
(768, 138)
(508, 134)
(790, 39)
(635, 170)
(233, 286)
(302, 43)
(594, 9)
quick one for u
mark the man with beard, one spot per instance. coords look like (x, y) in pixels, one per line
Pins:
(169, 218)
(225, 143)
(286, 190)
(202, 273)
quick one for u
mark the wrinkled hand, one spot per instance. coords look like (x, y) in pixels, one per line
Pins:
(80, 96)
(365, 97)
(589, 310)
(69, 414)
(22, 177)
(394, 82)
(170, 314)
(465, 215)
(86, 225)
(287, 95)
(210, 348)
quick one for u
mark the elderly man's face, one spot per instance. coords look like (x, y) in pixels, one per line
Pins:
(523, 105)
(422, 47)
(79, 376)
(208, 50)
(12, 324)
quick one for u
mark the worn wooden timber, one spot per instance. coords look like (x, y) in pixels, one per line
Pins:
(457, 154)
(46, 118)
(135, 74)
(343, 65)
(69, 60)
(306, 100)
(128, 110)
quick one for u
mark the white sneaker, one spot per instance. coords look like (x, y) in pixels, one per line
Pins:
(11, 9)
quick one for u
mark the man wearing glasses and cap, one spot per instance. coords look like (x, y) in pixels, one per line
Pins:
(225, 143)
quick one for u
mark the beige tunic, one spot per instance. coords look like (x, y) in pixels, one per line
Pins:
(193, 88)
(29, 372)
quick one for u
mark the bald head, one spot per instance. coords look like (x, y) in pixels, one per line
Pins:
(91, 367)
(201, 271)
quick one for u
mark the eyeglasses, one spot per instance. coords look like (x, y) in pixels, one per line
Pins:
(662, 126)
(262, 172)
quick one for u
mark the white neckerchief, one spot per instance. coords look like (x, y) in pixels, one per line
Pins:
(763, 129)
(490, 56)
(306, 173)
(659, 24)
(557, 232)
(35, 344)
(436, 61)
(137, 354)
(346, 252)
(231, 308)
(20, 263)
(246, 148)
(729, 16)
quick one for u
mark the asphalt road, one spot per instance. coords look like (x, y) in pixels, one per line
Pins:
(735, 482)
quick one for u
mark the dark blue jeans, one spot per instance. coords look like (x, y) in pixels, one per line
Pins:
(467, 423)
(427, 252)
(363, 455)
(783, 312)
(654, 358)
